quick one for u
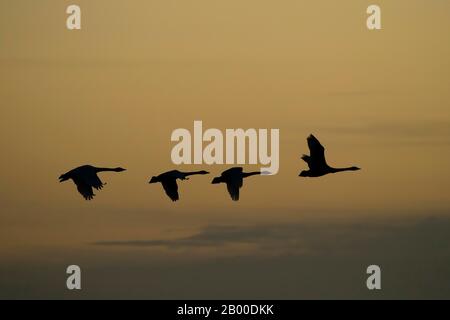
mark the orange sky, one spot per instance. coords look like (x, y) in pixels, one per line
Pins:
(111, 94)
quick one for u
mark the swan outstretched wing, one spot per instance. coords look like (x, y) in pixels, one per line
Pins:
(84, 189)
(307, 159)
(171, 188)
(93, 180)
(317, 152)
(233, 189)
(234, 183)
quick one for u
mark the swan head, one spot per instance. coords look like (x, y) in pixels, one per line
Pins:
(203, 172)
(153, 180)
(216, 180)
(119, 169)
(354, 168)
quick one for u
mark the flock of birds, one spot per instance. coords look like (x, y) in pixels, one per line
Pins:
(86, 179)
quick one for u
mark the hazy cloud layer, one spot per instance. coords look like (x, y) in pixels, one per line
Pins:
(430, 131)
(429, 236)
(298, 261)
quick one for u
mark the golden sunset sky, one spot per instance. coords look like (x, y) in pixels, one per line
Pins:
(111, 93)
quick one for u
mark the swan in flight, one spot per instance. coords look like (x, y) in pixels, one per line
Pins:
(316, 161)
(234, 178)
(169, 181)
(85, 178)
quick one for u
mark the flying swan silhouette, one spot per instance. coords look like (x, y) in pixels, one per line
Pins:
(234, 178)
(169, 181)
(316, 161)
(85, 178)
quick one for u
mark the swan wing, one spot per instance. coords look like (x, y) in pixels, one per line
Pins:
(93, 180)
(84, 189)
(317, 151)
(233, 186)
(307, 159)
(233, 190)
(171, 188)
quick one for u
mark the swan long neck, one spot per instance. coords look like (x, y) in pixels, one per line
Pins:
(334, 170)
(105, 169)
(190, 173)
(248, 174)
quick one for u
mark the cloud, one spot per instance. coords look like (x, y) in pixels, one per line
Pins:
(427, 235)
(423, 131)
(209, 236)
(308, 260)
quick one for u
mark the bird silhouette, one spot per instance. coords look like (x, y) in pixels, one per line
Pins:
(169, 181)
(316, 161)
(85, 178)
(234, 178)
